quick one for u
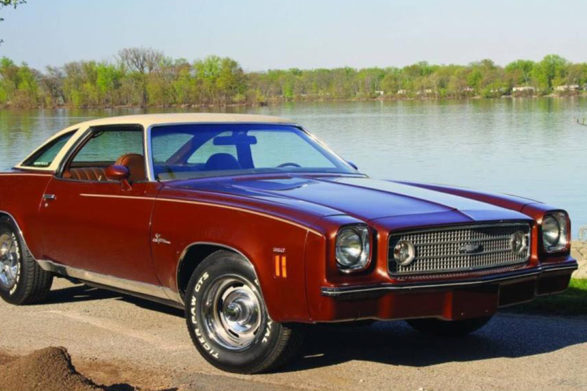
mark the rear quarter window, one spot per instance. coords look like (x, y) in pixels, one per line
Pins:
(45, 156)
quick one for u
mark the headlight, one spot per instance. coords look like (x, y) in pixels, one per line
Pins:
(519, 243)
(555, 232)
(404, 252)
(353, 248)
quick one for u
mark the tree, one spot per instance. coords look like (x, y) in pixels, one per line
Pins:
(219, 80)
(206, 74)
(108, 80)
(140, 62)
(577, 74)
(231, 83)
(552, 68)
(182, 86)
(52, 87)
(519, 72)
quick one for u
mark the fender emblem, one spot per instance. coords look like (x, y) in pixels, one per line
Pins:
(471, 248)
(159, 240)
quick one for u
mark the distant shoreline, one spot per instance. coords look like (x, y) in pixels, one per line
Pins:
(142, 77)
(280, 102)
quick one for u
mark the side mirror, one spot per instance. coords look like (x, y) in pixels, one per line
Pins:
(117, 173)
(353, 165)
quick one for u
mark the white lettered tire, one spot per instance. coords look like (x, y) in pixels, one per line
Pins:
(228, 320)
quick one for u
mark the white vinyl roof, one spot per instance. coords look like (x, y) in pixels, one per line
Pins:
(148, 120)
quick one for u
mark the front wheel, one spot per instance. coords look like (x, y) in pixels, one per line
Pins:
(448, 328)
(228, 321)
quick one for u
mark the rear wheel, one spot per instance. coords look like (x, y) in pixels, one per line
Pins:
(228, 320)
(22, 281)
(448, 328)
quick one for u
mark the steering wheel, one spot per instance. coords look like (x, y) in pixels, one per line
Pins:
(289, 164)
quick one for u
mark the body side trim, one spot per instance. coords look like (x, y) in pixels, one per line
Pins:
(110, 281)
(23, 171)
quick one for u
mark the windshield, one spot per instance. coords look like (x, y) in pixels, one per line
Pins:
(199, 150)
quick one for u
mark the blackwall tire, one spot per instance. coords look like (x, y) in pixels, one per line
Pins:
(228, 321)
(22, 281)
(447, 328)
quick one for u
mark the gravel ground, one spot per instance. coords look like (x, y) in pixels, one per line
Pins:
(115, 339)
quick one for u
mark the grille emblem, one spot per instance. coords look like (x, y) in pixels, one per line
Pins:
(471, 248)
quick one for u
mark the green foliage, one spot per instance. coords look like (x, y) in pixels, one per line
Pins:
(218, 80)
(18, 84)
(549, 72)
(519, 72)
(141, 77)
(572, 301)
(13, 3)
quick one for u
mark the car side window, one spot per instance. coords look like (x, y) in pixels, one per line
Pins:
(104, 147)
(45, 156)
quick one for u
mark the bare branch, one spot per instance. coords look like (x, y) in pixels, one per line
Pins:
(140, 59)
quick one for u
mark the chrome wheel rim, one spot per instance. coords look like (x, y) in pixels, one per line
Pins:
(9, 261)
(232, 312)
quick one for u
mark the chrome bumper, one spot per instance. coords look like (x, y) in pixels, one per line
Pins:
(360, 291)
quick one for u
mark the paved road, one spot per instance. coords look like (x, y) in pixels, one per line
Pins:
(115, 338)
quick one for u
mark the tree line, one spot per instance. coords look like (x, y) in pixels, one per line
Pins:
(146, 77)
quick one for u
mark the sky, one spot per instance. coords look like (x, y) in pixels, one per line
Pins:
(274, 34)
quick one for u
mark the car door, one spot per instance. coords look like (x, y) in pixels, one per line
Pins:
(97, 226)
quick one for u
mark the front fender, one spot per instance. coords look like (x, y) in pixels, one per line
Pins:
(274, 244)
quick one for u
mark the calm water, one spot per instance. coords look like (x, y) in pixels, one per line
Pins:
(531, 147)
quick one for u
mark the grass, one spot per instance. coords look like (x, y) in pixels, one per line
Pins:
(571, 302)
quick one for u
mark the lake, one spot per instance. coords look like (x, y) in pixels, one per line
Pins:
(529, 147)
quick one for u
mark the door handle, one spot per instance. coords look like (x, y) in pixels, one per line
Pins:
(49, 197)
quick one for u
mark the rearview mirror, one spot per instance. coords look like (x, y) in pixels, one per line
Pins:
(117, 173)
(235, 140)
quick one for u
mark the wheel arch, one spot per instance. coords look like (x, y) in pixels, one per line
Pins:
(9, 216)
(194, 254)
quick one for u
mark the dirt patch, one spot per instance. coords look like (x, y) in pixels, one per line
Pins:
(48, 369)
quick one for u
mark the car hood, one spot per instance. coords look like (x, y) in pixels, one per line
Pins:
(362, 197)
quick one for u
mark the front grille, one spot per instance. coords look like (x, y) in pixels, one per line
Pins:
(460, 249)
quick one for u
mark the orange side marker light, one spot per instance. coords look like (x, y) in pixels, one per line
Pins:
(277, 268)
(283, 266)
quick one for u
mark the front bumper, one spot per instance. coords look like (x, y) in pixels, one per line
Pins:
(450, 299)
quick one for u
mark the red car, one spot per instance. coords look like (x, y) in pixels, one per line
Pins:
(256, 228)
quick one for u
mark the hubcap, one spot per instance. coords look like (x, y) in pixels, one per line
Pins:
(9, 261)
(232, 312)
